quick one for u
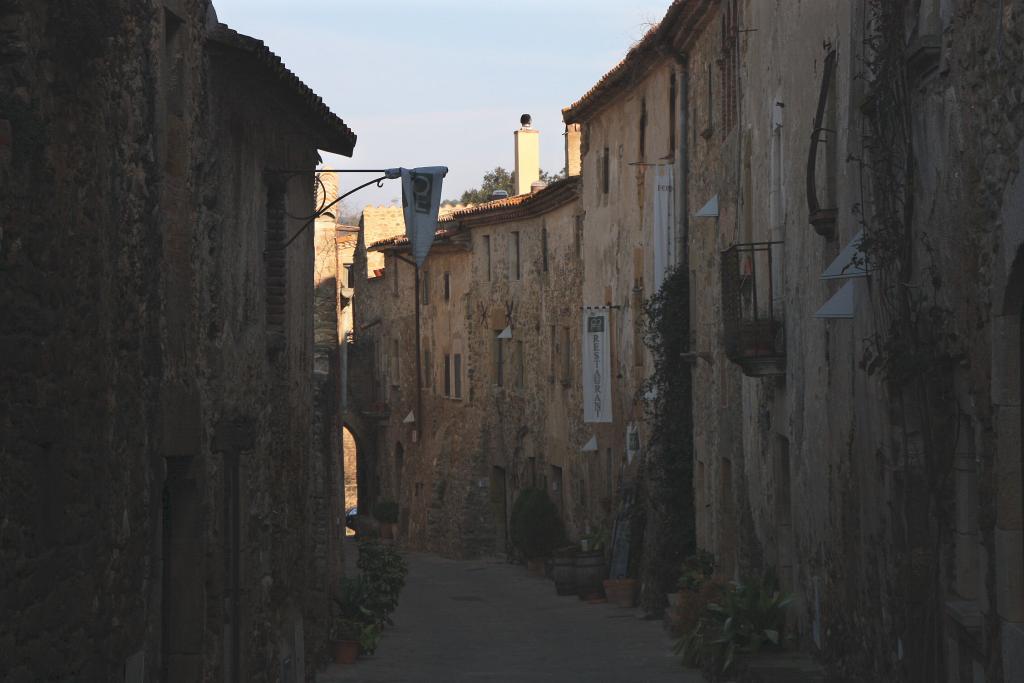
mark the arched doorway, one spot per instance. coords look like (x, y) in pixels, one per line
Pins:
(1008, 398)
(350, 467)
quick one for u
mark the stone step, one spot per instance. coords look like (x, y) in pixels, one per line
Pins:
(782, 667)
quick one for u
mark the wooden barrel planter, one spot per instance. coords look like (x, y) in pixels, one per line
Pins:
(590, 573)
(564, 571)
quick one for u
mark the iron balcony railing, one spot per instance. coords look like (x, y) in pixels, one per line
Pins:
(752, 309)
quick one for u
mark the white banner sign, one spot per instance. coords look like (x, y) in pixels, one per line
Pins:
(597, 368)
(661, 240)
(421, 199)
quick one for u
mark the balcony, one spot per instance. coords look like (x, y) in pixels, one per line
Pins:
(751, 310)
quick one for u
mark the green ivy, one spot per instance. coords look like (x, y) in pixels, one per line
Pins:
(669, 534)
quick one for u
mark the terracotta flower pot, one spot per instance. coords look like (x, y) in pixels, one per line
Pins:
(346, 651)
(622, 592)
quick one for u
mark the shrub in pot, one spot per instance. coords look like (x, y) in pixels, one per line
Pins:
(535, 527)
(386, 512)
(383, 573)
(351, 620)
(747, 617)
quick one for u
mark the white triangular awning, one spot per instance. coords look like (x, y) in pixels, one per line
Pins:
(590, 446)
(709, 210)
(851, 261)
(505, 333)
(410, 418)
(841, 304)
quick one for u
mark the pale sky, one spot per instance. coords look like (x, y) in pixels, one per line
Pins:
(443, 82)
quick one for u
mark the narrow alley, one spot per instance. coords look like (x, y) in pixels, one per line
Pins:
(706, 317)
(487, 620)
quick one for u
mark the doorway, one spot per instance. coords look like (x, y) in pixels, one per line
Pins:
(499, 504)
(184, 601)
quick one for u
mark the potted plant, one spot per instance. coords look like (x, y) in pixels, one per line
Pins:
(345, 635)
(386, 512)
(351, 616)
(621, 591)
(383, 572)
(535, 527)
(747, 617)
(693, 590)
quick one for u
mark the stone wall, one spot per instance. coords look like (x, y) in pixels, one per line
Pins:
(160, 497)
(456, 469)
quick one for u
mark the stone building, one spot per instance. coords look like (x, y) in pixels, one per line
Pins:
(167, 514)
(856, 432)
(495, 408)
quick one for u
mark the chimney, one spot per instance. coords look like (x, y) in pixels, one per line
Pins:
(527, 155)
(573, 159)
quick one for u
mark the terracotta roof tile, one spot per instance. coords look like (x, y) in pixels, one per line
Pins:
(658, 43)
(511, 208)
(335, 135)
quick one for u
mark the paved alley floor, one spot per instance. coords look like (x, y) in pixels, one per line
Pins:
(492, 621)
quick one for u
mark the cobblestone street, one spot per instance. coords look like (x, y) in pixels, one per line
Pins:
(491, 621)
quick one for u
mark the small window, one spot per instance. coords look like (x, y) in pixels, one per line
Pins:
(395, 374)
(447, 286)
(552, 354)
(672, 114)
(447, 375)
(425, 287)
(487, 256)
(566, 351)
(457, 372)
(605, 170)
(578, 236)
(426, 369)
(513, 256)
(643, 129)
(349, 276)
(544, 248)
(498, 354)
(520, 366)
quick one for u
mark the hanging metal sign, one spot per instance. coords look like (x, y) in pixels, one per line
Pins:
(597, 367)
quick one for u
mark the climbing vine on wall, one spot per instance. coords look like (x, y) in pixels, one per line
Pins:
(668, 465)
(913, 346)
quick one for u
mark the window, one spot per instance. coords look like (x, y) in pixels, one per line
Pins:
(457, 371)
(544, 247)
(578, 235)
(425, 287)
(643, 128)
(638, 329)
(350, 280)
(447, 375)
(566, 352)
(394, 363)
(487, 256)
(426, 369)
(552, 354)
(276, 267)
(498, 354)
(447, 286)
(709, 124)
(729, 65)
(672, 114)
(513, 256)
(520, 368)
(605, 162)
